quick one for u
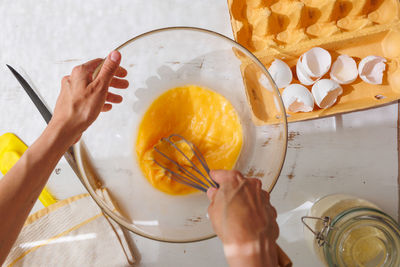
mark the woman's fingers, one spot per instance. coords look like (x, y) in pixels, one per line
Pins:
(224, 177)
(106, 107)
(119, 83)
(109, 68)
(121, 72)
(91, 65)
(211, 193)
(87, 69)
(270, 209)
(266, 194)
(255, 182)
(113, 98)
(65, 80)
(273, 211)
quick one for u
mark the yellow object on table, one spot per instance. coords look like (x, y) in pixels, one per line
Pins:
(11, 150)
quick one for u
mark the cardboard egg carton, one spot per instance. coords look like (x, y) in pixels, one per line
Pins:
(285, 29)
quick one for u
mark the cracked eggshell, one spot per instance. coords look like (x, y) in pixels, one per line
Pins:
(281, 73)
(326, 92)
(302, 75)
(316, 62)
(312, 65)
(344, 70)
(297, 98)
(371, 69)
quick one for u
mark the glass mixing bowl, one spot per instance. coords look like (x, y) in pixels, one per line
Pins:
(157, 61)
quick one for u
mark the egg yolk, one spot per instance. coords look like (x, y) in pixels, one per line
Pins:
(200, 115)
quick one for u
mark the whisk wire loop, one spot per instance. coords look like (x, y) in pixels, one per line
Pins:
(186, 157)
(180, 168)
(186, 174)
(181, 179)
(199, 157)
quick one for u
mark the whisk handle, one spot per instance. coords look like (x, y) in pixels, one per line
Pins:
(283, 259)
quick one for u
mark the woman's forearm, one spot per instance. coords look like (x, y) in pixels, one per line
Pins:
(81, 99)
(255, 254)
(21, 186)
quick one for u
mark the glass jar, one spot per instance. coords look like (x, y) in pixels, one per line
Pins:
(353, 232)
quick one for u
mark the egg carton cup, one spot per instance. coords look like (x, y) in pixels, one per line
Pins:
(285, 29)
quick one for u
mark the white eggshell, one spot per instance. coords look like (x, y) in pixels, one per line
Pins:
(316, 62)
(344, 70)
(326, 92)
(297, 98)
(371, 69)
(303, 77)
(281, 73)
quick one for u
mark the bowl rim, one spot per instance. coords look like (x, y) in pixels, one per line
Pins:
(78, 146)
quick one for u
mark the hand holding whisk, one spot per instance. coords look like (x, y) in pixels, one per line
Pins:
(185, 164)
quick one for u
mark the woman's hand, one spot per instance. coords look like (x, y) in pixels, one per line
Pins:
(244, 219)
(82, 98)
(80, 101)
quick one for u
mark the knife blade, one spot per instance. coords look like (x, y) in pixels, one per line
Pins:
(46, 114)
(69, 155)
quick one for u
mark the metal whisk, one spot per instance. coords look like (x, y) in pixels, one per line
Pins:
(189, 173)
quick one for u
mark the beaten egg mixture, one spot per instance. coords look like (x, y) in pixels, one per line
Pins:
(203, 117)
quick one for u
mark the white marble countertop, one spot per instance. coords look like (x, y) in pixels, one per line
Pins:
(354, 153)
